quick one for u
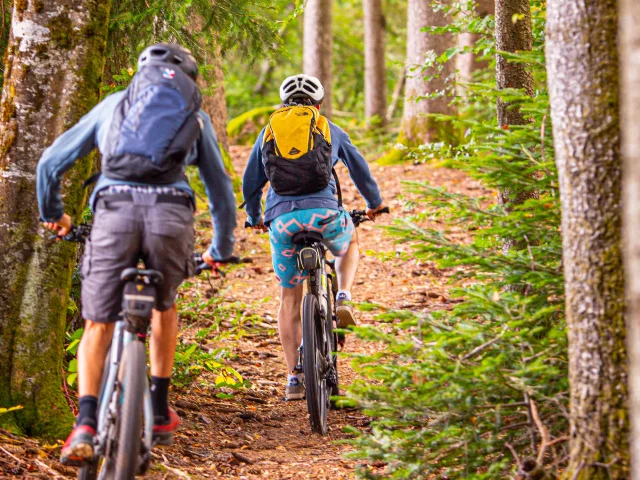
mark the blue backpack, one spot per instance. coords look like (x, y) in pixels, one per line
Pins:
(155, 127)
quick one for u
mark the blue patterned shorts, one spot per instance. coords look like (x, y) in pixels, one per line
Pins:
(337, 237)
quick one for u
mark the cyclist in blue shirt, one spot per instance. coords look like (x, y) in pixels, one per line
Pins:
(134, 219)
(284, 216)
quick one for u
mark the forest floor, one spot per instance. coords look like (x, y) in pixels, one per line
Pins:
(255, 433)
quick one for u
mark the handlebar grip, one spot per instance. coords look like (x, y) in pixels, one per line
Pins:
(385, 210)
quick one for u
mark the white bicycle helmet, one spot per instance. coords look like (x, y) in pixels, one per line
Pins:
(302, 85)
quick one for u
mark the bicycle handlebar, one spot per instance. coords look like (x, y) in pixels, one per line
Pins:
(80, 233)
(359, 216)
(201, 266)
(77, 233)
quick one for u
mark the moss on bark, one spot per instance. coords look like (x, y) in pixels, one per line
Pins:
(582, 65)
(37, 273)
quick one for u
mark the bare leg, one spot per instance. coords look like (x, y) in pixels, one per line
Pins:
(347, 265)
(91, 356)
(290, 324)
(164, 336)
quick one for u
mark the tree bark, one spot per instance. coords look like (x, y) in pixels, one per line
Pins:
(468, 63)
(582, 64)
(53, 70)
(375, 75)
(214, 102)
(629, 39)
(513, 37)
(416, 126)
(318, 46)
(398, 90)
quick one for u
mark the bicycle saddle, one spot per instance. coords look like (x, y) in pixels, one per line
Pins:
(154, 277)
(306, 238)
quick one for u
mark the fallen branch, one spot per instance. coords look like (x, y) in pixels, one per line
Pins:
(48, 469)
(514, 453)
(11, 455)
(544, 432)
(242, 458)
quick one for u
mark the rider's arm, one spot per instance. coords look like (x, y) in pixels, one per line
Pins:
(219, 190)
(252, 182)
(358, 169)
(75, 143)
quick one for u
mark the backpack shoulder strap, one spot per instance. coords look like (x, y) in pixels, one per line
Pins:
(338, 189)
(322, 127)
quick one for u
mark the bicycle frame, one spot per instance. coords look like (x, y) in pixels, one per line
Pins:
(108, 399)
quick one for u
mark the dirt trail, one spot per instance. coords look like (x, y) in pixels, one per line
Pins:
(256, 434)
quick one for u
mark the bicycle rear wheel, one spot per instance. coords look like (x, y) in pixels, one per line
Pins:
(132, 374)
(314, 364)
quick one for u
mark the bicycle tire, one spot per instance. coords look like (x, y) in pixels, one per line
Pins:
(134, 371)
(334, 390)
(315, 383)
(90, 470)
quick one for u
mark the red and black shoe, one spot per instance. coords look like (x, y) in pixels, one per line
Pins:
(164, 428)
(78, 449)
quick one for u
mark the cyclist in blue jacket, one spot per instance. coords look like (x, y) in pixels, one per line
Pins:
(133, 219)
(286, 215)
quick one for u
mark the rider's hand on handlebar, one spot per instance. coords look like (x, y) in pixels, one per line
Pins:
(372, 213)
(259, 226)
(62, 225)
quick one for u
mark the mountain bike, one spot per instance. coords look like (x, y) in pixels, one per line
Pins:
(317, 355)
(124, 437)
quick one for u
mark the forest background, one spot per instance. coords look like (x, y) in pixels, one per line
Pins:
(526, 375)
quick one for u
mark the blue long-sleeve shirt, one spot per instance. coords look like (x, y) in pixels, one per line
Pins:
(92, 131)
(341, 150)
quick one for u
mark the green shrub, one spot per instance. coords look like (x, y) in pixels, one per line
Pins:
(453, 390)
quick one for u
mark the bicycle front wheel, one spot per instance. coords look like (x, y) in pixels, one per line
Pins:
(314, 364)
(132, 375)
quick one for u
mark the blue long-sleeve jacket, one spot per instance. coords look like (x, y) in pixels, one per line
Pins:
(92, 131)
(342, 150)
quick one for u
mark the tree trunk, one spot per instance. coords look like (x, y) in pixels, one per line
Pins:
(53, 70)
(214, 102)
(513, 37)
(318, 46)
(468, 63)
(629, 39)
(416, 126)
(582, 64)
(398, 90)
(375, 74)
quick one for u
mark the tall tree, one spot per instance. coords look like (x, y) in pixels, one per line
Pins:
(629, 39)
(432, 80)
(318, 46)
(513, 33)
(53, 72)
(215, 103)
(582, 65)
(468, 63)
(375, 75)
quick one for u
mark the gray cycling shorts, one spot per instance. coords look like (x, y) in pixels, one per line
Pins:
(123, 232)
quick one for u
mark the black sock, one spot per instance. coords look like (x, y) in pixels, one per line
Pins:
(88, 408)
(159, 395)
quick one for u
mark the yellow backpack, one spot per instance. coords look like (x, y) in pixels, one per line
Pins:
(296, 151)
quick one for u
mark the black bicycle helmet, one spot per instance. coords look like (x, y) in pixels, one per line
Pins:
(170, 53)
